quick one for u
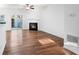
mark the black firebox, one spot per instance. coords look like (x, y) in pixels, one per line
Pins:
(33, 26)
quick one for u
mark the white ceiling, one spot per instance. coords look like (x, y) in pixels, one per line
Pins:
(20, 5)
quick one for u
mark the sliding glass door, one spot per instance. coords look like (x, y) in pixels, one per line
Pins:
(16, 22)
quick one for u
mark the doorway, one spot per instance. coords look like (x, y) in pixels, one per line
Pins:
(16, 22)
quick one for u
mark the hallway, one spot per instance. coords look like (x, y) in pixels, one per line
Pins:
(25, 42)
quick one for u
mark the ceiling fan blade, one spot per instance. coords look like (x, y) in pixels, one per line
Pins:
(28, 6)
(32, 6)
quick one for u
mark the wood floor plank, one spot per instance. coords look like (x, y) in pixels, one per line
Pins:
(29, 44)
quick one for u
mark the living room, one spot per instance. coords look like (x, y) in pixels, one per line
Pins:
(59, 21)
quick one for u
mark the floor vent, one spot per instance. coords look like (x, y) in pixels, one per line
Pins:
(71, 38)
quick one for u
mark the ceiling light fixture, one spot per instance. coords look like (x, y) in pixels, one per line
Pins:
(28, 6)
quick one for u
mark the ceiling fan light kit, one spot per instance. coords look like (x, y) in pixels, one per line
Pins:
(28, 6)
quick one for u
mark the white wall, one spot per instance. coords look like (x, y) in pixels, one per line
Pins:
(71, 22)
(52, 19)
(57, 19)
(2, 38)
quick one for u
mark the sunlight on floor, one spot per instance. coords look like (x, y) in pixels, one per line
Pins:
(46, 41)
(16, 35)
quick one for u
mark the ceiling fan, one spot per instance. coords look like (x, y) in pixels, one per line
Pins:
(29, 6)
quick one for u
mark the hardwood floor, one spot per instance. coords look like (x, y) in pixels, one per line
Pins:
(27, 42)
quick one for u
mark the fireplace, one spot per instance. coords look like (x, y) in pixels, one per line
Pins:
(33, 26)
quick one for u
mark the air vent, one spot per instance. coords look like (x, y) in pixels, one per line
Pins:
(72, 38)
